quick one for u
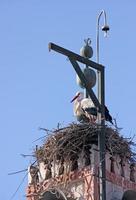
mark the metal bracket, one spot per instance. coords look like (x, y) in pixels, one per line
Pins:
(73, 57)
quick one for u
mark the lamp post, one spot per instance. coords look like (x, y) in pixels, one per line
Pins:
(101, 99)
(105, 28)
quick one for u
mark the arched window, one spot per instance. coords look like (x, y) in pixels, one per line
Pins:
(112, 169)
(122, 164)
(53, 194)
(132, 172)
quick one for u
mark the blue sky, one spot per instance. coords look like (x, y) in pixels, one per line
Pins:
(36, 86)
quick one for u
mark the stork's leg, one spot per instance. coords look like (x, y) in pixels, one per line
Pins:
(89, 117)
(94, 119)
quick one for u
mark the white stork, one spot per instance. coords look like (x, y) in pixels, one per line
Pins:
(84, 108)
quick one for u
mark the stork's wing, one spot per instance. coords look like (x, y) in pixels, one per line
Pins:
(108, 117)
(91, 111)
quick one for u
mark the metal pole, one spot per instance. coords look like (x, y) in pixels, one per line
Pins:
(101, 139)
(101, 121)
(97, 43)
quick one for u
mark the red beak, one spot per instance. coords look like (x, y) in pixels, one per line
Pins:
(75, 98)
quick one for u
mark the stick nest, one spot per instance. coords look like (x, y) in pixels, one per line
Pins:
(67, 143)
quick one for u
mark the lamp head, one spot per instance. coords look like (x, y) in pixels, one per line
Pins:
(105, 28)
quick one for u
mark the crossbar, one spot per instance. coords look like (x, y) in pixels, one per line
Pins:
(75, 56)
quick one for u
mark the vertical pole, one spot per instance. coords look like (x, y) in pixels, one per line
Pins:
(101, 137)
(101, 116)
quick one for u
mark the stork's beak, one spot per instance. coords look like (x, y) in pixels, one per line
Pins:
(75, 98)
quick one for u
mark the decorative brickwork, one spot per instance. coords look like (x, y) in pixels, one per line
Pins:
(69, 161)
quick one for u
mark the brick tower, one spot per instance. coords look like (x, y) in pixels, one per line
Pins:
(68, 165)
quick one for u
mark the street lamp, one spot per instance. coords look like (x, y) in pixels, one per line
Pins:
(101, 98)
(104, 28)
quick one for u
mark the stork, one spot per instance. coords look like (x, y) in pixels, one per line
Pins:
(84, 109)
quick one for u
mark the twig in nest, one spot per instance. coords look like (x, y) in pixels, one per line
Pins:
(75, 137)
(17, 172)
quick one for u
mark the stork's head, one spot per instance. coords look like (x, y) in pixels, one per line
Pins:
(79, 96)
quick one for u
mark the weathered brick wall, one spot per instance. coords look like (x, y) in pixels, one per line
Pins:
(83, 183)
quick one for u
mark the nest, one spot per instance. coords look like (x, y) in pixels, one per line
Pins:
(67, 143)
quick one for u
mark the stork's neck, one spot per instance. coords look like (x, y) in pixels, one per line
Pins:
(80, 98)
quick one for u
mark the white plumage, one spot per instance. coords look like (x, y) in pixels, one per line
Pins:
(86, 103)
(84, 109)
(78, 112)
